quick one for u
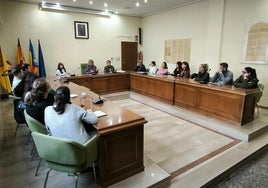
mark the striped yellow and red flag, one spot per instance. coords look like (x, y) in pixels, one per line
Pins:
(20, 56)
(4, 78)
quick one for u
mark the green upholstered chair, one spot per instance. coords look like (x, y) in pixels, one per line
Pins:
(35, 126)
(83, 67)
(65, 155)
(259, 95)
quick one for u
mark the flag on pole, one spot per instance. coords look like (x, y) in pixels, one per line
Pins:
(42, 69)
(32, 59)
(4, 78)
(20, 56)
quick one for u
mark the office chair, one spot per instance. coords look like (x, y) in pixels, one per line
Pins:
(259, 95)
(64, 155)
(18, 114)
(83, 67)
(35, 126)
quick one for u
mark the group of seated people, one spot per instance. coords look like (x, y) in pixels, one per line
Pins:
(51, 108)
(91, 68)
(223, 76)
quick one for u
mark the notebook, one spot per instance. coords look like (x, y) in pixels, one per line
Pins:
(100, 113)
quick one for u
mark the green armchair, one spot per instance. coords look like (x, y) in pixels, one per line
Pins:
(35, 126)
(259, 95)
(83, 67)
(65, 155)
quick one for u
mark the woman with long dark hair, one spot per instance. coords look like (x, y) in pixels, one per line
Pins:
(248, 79)
(185, 70)
(61, 71)
(38, 99)
(65, 119)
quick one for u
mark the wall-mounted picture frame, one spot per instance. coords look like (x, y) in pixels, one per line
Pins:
(81, 30)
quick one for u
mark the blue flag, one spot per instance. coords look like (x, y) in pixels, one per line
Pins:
(42, 69)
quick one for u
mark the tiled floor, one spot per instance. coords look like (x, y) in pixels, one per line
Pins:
(176, 145)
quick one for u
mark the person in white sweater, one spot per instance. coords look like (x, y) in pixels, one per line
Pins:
(65, 120)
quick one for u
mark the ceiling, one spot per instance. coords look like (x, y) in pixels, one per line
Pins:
(123, 7)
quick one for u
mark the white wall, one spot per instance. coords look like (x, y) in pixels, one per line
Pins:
(217, 30)
(237, 15)
(185, 22)
(56, 33)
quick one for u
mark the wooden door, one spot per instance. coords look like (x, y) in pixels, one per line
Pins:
(129, 53)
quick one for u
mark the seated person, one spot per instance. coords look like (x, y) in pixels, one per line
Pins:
(109, 68)
(185, 70)
(248, 79)
(25, 67)
(140, 67)
(163, 69)
(152, 68)
(223, 76)
(25, 84)
(38, 99)
(17, 72)
(91, 68)
(22, 88)
(65, 119)
(61, 71)
(202, 75)
(177, 70)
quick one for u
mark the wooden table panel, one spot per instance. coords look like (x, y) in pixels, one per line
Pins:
(235, 105)
(185, 96)
(103, 83)
(138, 83)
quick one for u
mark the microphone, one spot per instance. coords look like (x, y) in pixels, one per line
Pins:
(97, 100)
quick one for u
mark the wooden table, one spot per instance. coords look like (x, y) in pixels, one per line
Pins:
(156, 86)
(235, 105)
(103, 83)
(120, 135)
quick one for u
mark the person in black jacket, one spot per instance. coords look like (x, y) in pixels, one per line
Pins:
(38, 99)
(248, 79)
(140, 67)
(202, 75)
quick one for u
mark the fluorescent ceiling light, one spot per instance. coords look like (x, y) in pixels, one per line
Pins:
(74, 9)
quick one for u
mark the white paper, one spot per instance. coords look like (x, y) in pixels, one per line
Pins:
(100, 113)
(73, 95)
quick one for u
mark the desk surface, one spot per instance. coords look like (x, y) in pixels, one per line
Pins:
(117, 116)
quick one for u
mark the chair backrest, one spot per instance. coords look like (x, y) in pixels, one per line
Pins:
(34, 125)
(83, 67)
(59, 150)
(259, 95)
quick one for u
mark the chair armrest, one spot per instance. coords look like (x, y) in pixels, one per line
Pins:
(91, 148)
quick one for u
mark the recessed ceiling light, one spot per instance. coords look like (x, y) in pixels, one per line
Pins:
(57, 4)
(145, 1)
(137, 4)
(43, 2)
(91, 2)
(74, 0)
(105, 4)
